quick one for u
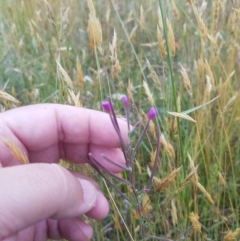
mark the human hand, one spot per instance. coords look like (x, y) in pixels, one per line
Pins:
(43, 200)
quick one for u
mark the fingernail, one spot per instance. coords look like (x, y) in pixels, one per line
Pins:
(89, 192)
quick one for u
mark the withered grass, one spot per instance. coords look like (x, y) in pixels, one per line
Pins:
(81, 52)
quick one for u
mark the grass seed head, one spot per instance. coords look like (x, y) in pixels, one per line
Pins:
(230, 236)
(175, 9)
(133, 33)
(94, 31)
(205, 193)
(146, 205)
(5, 96)
(186, 81)
(209, 72)
(195, 223)
(201, 25)
(148, 93)
(174, 213)
(154, 76)
(166, 181)
(91, 7)
(161, 45)
(116, 68)
(17, 153)
(171, 38)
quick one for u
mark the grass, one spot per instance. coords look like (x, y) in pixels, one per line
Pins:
(58, 52)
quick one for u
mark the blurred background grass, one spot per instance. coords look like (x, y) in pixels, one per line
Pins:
(192, 58)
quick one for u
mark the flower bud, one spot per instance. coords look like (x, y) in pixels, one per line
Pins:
(125, 101)
(152, 113)
(106, 106)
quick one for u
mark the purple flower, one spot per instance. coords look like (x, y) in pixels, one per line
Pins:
(106, 106)
(125, 101)
(152, 113)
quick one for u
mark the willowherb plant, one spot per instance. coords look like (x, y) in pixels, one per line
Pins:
(129, 152)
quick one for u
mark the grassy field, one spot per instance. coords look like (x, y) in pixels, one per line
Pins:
(183, 57)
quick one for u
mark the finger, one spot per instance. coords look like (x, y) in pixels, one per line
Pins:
(43, 128)
(101, 207)
(79, 154)
(98, 212)
(73, 229)
(39, 191)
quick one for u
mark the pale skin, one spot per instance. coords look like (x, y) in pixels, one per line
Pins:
(43, 200)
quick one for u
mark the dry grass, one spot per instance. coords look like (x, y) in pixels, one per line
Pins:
(177, 59)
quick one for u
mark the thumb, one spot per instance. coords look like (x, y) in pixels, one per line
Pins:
(34, 192)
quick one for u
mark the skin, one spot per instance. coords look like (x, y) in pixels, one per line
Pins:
(43, 200)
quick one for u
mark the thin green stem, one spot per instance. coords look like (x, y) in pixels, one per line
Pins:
(169, 60)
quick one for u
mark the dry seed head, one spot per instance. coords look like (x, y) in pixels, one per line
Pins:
(63, 75)
(117, 224)
(230, 236)
(35, 95)
(64, 23)
(17, 153)
(167, 146)
(154, 76)
(146, 205)
(129, 91)
(13, 92)
(148, 93)
(232, 99)
(5, 96)
(142, 20)
(40, 42)
(166, 181)
(152, 157)
(129, 17)
(174, 213)
(133, 33)
(209, 71)
(200, 67)
(79, 73)
(161, 45)
(91, 7)
(195, 223)
(74, 98)
(182, 115)
(193, 169)
(139, 168)
(186, 80)
(135, 213)
(221, 179)
(50, 17)
(149, 172)
(175, 10)
(216, 6)
(116, 68)
(163, 140)
(152, 130)
(170, 151)
(94, 30)
(213, 42)
(205, 193)
(171, 38)
(208, 90)
(201, 25)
